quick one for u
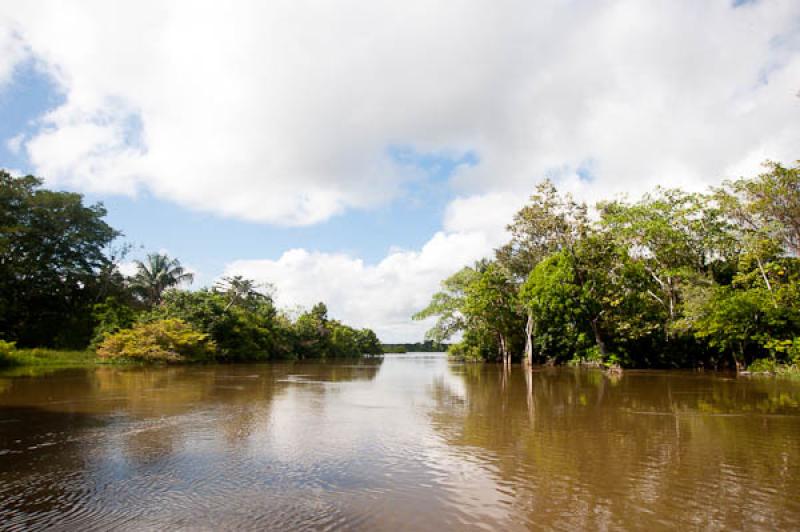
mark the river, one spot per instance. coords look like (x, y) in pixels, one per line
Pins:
(410, 442)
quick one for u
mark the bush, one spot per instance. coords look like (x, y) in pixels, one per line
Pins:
(248, 331)
(763, 365)
(6, 349)
(169, 340)
(467, 353)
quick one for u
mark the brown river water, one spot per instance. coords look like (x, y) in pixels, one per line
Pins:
(411, 442)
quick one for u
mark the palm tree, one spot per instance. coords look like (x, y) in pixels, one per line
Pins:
(155, 275)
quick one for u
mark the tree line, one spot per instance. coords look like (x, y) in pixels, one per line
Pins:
(675, 279)
(61, 287)
(427, 346)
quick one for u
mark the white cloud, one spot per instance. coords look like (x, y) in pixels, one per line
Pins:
(382, 296)
(12, 51)
(283, 111)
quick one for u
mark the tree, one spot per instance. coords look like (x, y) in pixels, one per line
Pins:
(448, 304)
(491, 304)
(368, 343)
(673, 279)
(251, 330)
(53, 263)
(768, 205)
(239, 290)
(548, 223)
(158, 273)
(313, 333)
(678, 238)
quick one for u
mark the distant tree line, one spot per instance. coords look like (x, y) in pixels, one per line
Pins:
(428, 346)
(675, 279)
(61, 287)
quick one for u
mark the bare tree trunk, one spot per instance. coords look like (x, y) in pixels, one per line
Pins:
(529, 340)
(529, 385)
(504, 351)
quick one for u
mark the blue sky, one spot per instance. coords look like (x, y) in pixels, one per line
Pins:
(208, 242)
(359, 152)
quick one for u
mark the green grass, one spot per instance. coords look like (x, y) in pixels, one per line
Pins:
(46, 357)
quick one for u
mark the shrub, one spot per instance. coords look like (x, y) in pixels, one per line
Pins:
(169, 340)
(6, 350)
(464, 352)
(763, 365)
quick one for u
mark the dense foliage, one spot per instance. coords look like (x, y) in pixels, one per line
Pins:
(169, 340)
(60, 287)
(53, 264)
(673, 280)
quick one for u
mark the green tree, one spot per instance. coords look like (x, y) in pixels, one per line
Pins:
(156, 274)
(491, 304)
(768, 205)
(447, 305)
(53, 264)
(679, 240)
(313, 335)
(250, 330)
(241, 291)
(368, 343)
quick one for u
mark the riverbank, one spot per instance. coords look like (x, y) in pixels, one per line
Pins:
(11, 357)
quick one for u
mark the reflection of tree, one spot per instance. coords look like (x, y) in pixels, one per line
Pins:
(583, 450)
(115, 426)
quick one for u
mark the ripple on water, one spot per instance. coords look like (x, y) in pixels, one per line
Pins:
(413, 445)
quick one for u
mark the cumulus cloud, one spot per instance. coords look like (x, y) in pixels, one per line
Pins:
(12, 52)
(286, 112)
(283, 111)
(381, 296)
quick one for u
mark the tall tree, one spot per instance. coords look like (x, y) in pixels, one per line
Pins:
(548, 223)
(156, 274)
(768, 205)
(53, 263)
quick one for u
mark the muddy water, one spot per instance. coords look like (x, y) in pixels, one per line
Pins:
(413, 442)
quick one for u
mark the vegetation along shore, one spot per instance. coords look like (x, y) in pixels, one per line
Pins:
(673, 280)
(64, 301)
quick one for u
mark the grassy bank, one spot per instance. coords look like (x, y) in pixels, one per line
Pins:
(12, 357)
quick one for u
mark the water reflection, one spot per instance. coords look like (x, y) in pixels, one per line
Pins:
(410, 442)
(579, 449)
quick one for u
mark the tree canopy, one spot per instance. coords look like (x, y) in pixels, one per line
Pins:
(60, 286)
(674, 279)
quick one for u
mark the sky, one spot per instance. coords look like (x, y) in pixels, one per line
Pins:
(357, 152)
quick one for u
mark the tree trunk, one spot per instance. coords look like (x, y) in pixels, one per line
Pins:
(601, 345)
(504, 351)
(529, 340)
(739, 361)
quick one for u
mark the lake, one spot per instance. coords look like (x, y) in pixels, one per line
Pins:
(410, 442)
